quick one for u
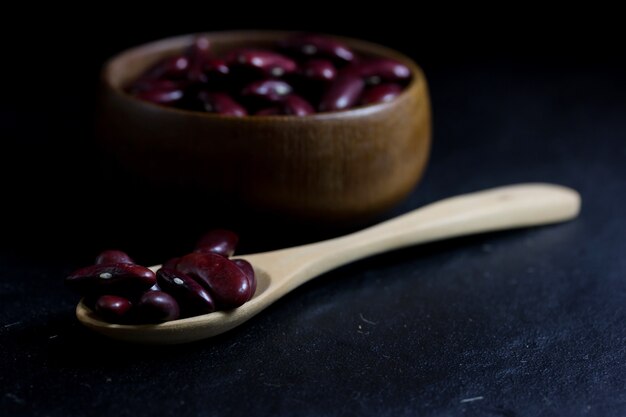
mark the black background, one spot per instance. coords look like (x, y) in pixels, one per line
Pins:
(531, 321)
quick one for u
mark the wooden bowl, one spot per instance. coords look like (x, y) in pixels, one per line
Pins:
(338, 166)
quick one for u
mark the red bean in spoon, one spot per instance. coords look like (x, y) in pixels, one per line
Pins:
(220, 241)
(157, 306)
(113, 257)
(247, 268)
(190, 295)
(120, 278)
(113, 308)
(225, 281)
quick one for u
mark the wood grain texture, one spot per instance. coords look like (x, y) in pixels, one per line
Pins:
(331, 166)
(281, 271)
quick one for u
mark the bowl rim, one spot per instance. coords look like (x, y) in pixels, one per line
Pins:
(159, 45)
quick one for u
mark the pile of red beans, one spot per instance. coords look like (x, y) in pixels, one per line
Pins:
(302, 75)
(201, 282)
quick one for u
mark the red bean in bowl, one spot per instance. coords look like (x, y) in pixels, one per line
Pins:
(343, 93)
(317, 46)
(381, 93)
(320, 71)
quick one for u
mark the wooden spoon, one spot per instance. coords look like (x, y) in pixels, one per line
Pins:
(279, 272)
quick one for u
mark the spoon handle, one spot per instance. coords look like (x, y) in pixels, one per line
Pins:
(485, 211)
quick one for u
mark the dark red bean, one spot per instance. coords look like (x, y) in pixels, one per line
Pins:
(113, 257)
(190, 295)
(270, 63)
(270, 111)
(221, 103)
(270, 90)
(343, 93)
(171, 67)
(215, 67)
(220, 241)
(247, 268)
(317, 45)
(143, 85)
(225, 281)
(113, 308)
(170, 263)
(161, 96)
(111, 279)
(297, 106)
(377, 69)
(198, 54)
(318, 70)
(381, 93)
(157, 306)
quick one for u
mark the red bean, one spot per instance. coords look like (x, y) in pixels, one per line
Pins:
(120, 278)
(214, 67)
(161, 96)
(269, 63)
(113, 308)
(221, 103)
(343, 93)
(269, 111)
(377, 69)
(157, 306)
(296, 105)
(220, 241)
(318, 70)
(113, 257)
(317, 46)
(381, 93)
(170, 263)
(225, 281)
(143, 85)
(249, 271)
(328, 74)
(171, 67)
(198, 54)
(270, 90)
(189, 294)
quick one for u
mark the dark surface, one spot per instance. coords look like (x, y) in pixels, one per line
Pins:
(522, 323)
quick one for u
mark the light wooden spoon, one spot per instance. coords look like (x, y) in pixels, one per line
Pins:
(281, 271)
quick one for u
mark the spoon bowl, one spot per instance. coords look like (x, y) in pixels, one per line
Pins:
(279, 272)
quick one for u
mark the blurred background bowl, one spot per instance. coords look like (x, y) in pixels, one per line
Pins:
(342, 166)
